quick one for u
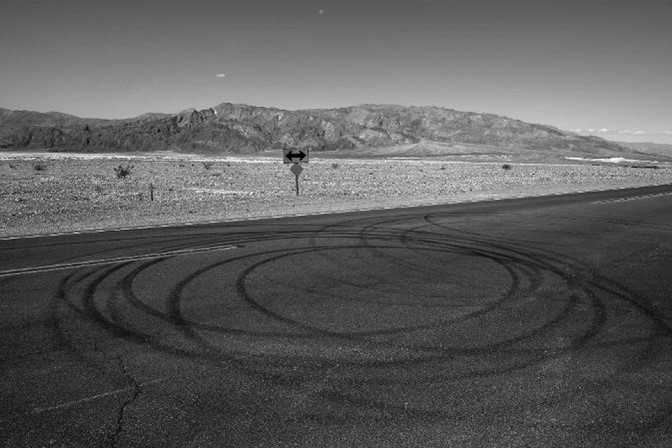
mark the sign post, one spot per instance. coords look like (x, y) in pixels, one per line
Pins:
(296, 159)
(296, 169)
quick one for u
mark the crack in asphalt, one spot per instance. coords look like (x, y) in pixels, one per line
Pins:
(137, 388)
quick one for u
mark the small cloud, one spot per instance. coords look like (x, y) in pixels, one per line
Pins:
(220, 75)
(667, 132)
(639, 132)
(603, 131)
(625, 131)
(591, 130)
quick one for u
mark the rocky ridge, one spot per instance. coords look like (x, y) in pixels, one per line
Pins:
(237, 128)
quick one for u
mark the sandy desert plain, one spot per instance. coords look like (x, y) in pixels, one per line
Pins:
(42, 193)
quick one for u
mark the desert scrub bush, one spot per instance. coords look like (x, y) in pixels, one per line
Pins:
(123, 171)
(207, 165)
(39, 166)
(506, 166)
(335, 166)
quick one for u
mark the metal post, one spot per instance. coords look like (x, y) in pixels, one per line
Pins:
(151, 192)
(296, 177)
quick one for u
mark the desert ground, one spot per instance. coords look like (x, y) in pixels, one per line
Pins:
(43, 193)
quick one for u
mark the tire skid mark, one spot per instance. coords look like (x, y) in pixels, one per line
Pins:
(586, 298)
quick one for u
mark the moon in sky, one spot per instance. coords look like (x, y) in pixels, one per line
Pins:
(321, 11)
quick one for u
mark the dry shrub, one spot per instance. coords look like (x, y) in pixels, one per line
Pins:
(123, 171)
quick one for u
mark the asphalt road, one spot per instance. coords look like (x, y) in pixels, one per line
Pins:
(531, 322)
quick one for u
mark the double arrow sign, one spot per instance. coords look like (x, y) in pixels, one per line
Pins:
(295, 157)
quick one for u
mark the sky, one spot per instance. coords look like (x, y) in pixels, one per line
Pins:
(591, 66)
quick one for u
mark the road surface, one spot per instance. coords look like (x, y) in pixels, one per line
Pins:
(530, 322)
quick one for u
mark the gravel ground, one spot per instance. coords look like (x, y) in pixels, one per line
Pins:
(64, 193)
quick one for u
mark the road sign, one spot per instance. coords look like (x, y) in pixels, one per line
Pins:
(295, 156)
(296, 169)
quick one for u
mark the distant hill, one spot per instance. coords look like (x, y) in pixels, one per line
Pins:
(237, 128)
(652, 149)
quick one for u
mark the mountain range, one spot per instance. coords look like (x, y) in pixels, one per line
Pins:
(237, 128)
